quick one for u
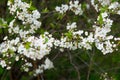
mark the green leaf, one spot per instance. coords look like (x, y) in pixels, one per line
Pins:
(60, 16)
(100, 19)
(3, 24)
(46, 40)
(103, 9)
(32, 8)
(10, 0)
(0, 30)
(52, 25)
(1, 70)
(45, 10)
(24, 78)
(69, 35)
(27, 45)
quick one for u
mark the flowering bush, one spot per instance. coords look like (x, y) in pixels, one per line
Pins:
(31, 40)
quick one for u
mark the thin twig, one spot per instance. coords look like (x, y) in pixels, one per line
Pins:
(91, 64)
(41, 77)
(71, 61)
(35, 66)
(55, 56)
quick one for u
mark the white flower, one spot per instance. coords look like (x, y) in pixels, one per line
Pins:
(5, 38)
(26, 69)
(36, 14)
(86, 33)
(21, 49)
(87, 6)
(17, 58)
(73, 6)
(3, 63)
(76, 7)
(48, 64)
(8, 68)
(104, 15)
(57, 8)
(38, 71)
(71, 26)
(78, 32)
(20, 9)
(16, 41)
(118, 12)
(117, 39)
(114, 5)
(104, 2)
(62, 9)
(16, 29)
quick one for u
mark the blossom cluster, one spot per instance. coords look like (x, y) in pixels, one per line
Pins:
(113, 6)
(21, 11)
(25, 45)
(33, 50)
(101, 28)
(73, 6)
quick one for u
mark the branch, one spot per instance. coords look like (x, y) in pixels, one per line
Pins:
(71, 61)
